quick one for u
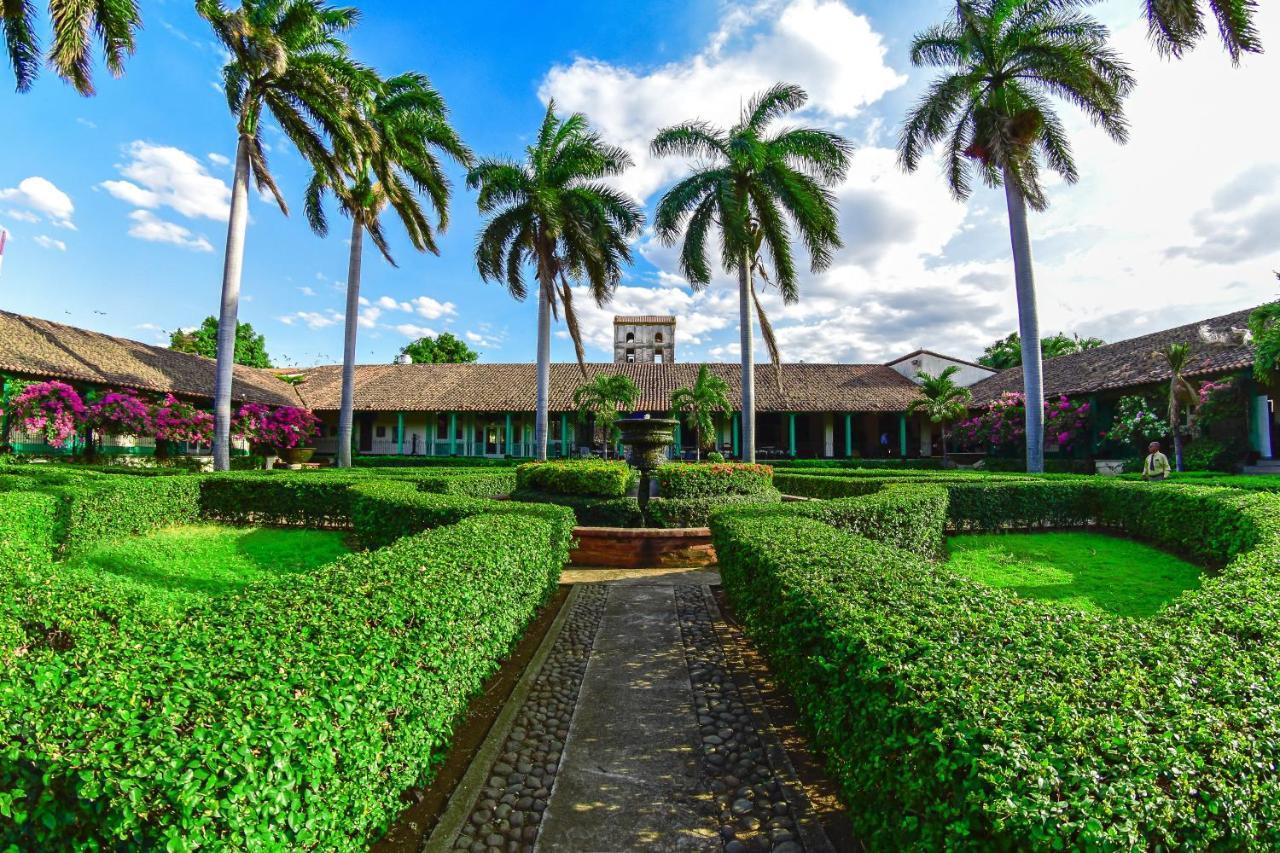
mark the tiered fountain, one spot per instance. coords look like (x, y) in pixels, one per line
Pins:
(648, 439)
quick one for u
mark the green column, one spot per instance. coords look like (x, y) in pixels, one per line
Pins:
(564, 434)
(453, 433)
(400, 433)
(791, 434)
(733, 420)
(679, 449)
(4, 404)
(902, 435)
(508, 436)
(848, 435)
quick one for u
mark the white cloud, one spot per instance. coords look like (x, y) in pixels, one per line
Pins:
(369, 316)
(409, 330)
(86, 123)
(307, 291)
(431, 309)
(1153, 234)
(219, 159)
(164, 176)
(313, 319)
(40, 196)
(22, 215)
(821, 45)
(47, 242)
(147, 226)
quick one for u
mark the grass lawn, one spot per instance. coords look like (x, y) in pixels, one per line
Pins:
(191, 562)
(1088, 571)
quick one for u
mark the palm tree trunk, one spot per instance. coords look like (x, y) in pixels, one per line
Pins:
(233, 263)
(944, 445)
(748, 361)
(1174, 423)
(697, 445)
(544, 366)
(352, 322)
(1028, 324)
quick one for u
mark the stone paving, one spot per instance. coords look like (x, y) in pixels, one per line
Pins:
(632, 735)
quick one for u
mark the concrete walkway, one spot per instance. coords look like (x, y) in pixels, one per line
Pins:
(628, 733)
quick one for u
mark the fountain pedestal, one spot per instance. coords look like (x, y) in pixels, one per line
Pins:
(648, 439)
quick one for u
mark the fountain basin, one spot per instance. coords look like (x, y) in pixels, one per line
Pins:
(642, 547)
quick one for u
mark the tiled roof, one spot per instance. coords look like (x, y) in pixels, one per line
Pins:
(512, 387)
(40, 348)
(1215, 349)
(642, 319)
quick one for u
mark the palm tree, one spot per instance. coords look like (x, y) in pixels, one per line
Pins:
(554, 212)
(602, 398)
(1176, 25)
(993, 112)
(699, 403)
(942, 401)
(409, 123)
(75, 27)
(750, 183)
(1181, 393)
(286, 58)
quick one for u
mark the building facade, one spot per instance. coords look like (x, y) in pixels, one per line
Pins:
(644, 339)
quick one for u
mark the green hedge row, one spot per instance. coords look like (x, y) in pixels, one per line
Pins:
(595, 478)
(856, 464)
(957, 716)
(709, 480)
(291, 716)
(429, 462)
(697, 512)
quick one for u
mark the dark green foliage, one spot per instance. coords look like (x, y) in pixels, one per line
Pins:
(445, 348)
(1001, 464)
(682, 480)
(478, 484)
(382, 512)
(251, 347)
(696, 512)
(301, 686)
(1209, 454)
(582, 478)
(817, 486)
(279, 497)
(789, 465)
(430, 462)
(589, 511)
(958, 716)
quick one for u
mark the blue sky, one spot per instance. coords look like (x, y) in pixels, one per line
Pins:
(116, 203)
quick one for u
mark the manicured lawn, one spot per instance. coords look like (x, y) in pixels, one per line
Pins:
(192, 562)
(1088, 571)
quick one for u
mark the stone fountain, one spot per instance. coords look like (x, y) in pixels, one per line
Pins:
(648, 439)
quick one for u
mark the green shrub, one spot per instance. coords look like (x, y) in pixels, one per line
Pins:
(430, 462)
(1051, 466)
(696, 512)
(309, 498)
(1209, 454)
(589, 512)
(804, 486)
(928, 464)
(382, 512)
(715, 456)
(292, 716)
(684, 480)
(584, 478)
(958, 716)
(477, 484)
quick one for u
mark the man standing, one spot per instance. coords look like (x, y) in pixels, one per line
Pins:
(1156, 465)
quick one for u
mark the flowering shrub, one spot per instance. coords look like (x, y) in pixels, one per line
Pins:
(1003, 425)
(120, 413)
(51, 408)
(176, 420)
(1223, 400)
(283, 428)
(1136, 421)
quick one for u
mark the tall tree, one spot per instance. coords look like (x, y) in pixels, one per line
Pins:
(699, 403)
(941, 400)
(604, 398)
(1007, 352)
(1183, 396)
(75, 27)
(395, 167)
(286, 59)
(554, 212)
(752, 183)
(251, 347)
(444, 348)
(1175, 26)
(993, 111)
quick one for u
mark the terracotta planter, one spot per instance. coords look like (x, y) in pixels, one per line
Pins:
(297, 455)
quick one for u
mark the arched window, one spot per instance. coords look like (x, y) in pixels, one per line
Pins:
(657, 339)
(631, 336)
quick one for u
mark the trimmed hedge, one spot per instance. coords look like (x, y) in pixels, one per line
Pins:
(395, 461)
(593, 478)
(708, 480)
(589, 512)
(696, 512)
(293, 715)
(955, 715)
(928, 464)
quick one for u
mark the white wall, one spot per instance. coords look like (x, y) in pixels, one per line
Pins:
(934, 364)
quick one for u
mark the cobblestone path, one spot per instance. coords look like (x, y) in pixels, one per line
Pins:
(632, 735)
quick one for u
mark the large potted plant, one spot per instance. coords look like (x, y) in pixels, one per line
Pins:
(290, 431)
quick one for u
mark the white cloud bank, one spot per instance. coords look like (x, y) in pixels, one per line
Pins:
(164, 176)
(1181, 223)
(147, 226)
(36, 197)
